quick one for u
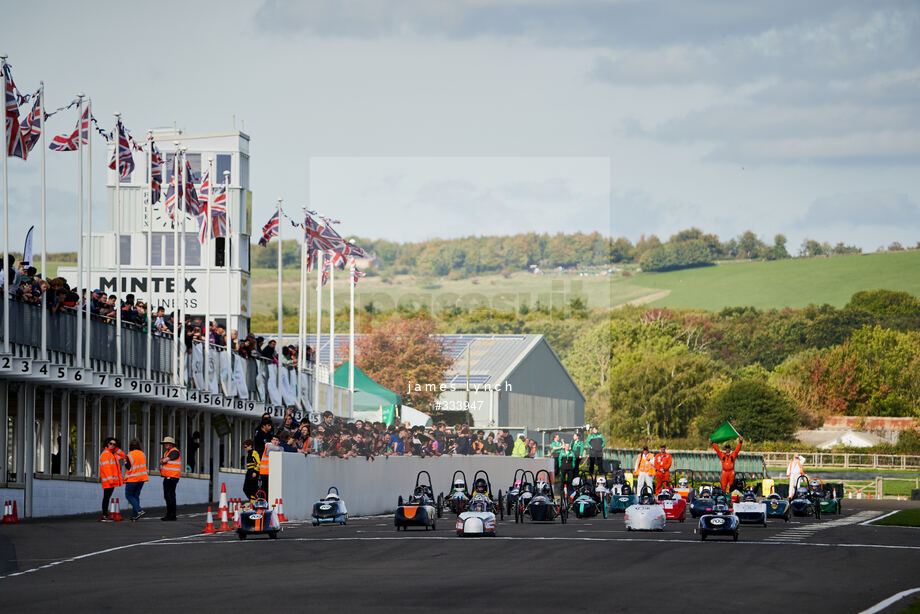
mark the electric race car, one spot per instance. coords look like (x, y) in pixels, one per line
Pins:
(421, 509)
(704, 502)
(805, 502)
(458, 499)
(586, 499)
(518, 485)
(675, 507)
(646, 515)
(330, 509)
(750, 510)
(720, 522)
(777, 507)
(621, 494)
(542, 506)
(479, 519)
(827, 496)
(260, 520)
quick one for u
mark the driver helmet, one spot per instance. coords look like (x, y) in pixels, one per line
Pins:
(478, 506)
(332, 497)
(480, 485)
(682, 483)
(576, 482)
(459, 485)
(602, 481)
(260, 504)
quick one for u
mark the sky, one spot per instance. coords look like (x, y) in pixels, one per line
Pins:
(414, 119)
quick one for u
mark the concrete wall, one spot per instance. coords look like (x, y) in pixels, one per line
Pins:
(373, 487)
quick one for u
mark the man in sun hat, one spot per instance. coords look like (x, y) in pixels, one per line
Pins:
(171, 470)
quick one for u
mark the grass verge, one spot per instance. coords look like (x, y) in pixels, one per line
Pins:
(903, 518)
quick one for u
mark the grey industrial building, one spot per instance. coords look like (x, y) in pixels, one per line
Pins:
(514, 380)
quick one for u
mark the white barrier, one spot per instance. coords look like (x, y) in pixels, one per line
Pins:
(373, 487)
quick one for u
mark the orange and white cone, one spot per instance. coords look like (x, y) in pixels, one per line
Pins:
(209, 526)
(118, 517)
(281, 517)
(7, 512)
(236, 518)
(222, 505)
(15, 516)
(224, 526)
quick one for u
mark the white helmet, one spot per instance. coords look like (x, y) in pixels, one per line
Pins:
(601, 481)
(682, 482)
(576, 482)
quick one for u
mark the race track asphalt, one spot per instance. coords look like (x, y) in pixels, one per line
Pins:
(835, 565)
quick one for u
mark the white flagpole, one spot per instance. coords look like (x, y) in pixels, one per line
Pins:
(331, 329)
(149, 193)
(302, 309)
(89, 226)
(7, 282)
(177, 321)
(279, 344)
(227, 261)
(180, 204)
(41, 107)
(118, 286)
(207, 272)
(320, 263)
(351, 345)
(79, 349)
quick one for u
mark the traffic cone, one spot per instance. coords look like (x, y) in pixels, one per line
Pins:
(7, 513)
(281, 517)
(15, 517)
(236, 518)
(869, 494)
(859, 494)
(223, 521)
(850, 494)
(209, 527)
(117, 517)
(223, 500)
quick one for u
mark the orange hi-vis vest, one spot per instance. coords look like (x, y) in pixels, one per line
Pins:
(138, 470)
(109, 471)
(662, 462)
(263, 465)
(645, 463)
(171, 468)
(728, 460)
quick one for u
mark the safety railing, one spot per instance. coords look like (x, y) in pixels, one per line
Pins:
(840, 460)
(703, 464)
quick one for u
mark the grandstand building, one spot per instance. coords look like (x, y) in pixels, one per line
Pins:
(503, 380)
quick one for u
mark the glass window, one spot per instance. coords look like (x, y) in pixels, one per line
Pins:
(244, 171)
(168, 167)
(194, 162)
(219, 246)
(156, 250)
(244, 255)
(192, 250)
(170, 250)
(223, 164)
(125, 250)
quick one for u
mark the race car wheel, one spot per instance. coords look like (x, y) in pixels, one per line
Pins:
(682, 519)
(459, 533)
(242, 535)
(702, 536)
(399, 502)
(440, 507)
(735, 536)
(501, 506)
(273, 535)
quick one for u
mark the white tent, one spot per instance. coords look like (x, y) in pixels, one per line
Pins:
(413, 416)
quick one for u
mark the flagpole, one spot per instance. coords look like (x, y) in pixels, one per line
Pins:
(227, 261)
(79, 349)
(177, 381)
(351, 344)
(320, 257)
(302, 311)
(118, 286)
(6, 221)
(89, 225)
(41, 107)
(331, 329)
(149, 192)
(279, 344)
(207, 274)
(180, 204)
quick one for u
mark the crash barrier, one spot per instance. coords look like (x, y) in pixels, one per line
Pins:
(845, 460)
(699, 465)
(373, 487)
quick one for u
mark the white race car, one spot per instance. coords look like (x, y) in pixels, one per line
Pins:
(646, 515)
(478, 520)
(751, 511)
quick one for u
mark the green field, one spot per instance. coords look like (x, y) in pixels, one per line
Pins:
(782, 283)
(904, 518)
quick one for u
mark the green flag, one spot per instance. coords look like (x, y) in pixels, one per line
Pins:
(724, 433)
(388, 415)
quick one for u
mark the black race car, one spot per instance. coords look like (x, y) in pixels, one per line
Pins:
(420, 509)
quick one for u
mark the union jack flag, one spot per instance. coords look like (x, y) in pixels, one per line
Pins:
(203, 208)
(156, 172)
(32, 128)
(192, 203)
(68, 142)
(14, 144)
(171, 197)
(122, 151)
(220, 223)
(270, 230)
(356, 273)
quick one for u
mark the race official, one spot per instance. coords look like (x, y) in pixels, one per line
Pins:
(109, 473)
(595, 445)
(520, 447)
(644, 470)
(136, 475)
(171, 470)
(556, 447)
(728, 457)
(662, 468)
(794, 471)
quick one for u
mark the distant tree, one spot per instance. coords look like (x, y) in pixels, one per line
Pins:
(886, 303)
(672, 256)
(779, 248)
(749, 246)
(400, 353)
(759, 411)
(811, 248)
(895, 246)
(621, 250)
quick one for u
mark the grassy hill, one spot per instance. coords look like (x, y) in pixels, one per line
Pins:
(782, 283)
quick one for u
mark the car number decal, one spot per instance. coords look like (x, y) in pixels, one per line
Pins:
(718, 521)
